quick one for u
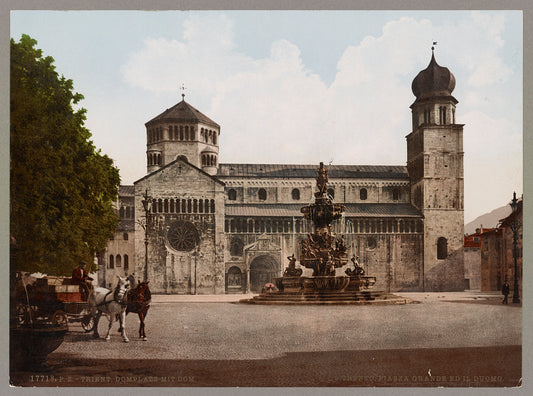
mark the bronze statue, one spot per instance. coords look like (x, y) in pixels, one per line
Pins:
(291, 270)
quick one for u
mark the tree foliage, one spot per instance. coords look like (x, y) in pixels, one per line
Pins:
(62, 187)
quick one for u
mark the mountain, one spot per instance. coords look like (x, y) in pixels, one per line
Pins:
(488, 220)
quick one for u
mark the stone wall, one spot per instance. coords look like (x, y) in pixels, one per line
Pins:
(395, 259)
(184, 248)
(280, 190)
(472, 257)
(443, 274)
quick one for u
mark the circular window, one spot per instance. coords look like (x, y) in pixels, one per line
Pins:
(183, 236)
(371, 243)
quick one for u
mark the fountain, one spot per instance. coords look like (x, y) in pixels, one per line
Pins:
(324, 252)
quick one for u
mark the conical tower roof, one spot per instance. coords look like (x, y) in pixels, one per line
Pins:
(183, 112)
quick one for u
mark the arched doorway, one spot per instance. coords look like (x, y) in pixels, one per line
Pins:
(263, 269)
(234, 280)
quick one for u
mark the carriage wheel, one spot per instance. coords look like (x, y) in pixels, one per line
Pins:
(22, 313)
(60, 318)
(87, 323)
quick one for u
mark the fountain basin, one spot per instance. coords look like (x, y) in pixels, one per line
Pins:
(29, 346)
(361, 283)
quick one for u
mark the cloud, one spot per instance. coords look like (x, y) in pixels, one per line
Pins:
(275, 110)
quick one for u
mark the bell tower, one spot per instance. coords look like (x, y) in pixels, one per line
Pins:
(435, 166)
(182, 131)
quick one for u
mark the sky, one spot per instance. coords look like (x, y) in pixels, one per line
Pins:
(295, 87)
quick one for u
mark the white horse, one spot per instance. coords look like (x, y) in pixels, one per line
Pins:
(111, 303)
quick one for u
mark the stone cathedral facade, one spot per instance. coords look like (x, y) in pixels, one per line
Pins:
(217, 228)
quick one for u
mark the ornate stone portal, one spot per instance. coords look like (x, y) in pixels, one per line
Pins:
(324, 252)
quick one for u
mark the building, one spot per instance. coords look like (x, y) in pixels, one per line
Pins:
(119, 257)
(229, 228)
(497, 260)
(472, 258)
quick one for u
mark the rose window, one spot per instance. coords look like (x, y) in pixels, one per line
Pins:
(183, 236)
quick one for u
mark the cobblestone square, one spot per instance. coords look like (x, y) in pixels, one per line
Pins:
(450, 339)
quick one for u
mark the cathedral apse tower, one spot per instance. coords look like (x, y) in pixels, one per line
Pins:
(435, 167)
(182, 131)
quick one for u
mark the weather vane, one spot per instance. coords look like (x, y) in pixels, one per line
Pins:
(183, 91)
(433, 47)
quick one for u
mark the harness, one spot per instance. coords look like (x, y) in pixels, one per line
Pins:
(122, 302)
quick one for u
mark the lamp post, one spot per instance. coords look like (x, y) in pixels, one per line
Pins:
(514, 227)
(147, 205)
(195, 262)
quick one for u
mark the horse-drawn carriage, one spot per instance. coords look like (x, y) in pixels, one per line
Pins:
(54, 300)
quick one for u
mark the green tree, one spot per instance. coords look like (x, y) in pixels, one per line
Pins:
(62, 187)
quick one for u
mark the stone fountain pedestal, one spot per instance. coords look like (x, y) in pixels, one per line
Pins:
(323, 252)
(326, 290)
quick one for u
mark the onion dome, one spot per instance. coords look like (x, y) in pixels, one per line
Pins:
(433, 81)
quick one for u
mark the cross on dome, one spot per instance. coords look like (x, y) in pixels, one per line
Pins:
(182, 88)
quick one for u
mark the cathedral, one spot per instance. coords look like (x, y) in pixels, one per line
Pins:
(193, 225)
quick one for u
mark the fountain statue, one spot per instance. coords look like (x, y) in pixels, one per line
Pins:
(324, 252)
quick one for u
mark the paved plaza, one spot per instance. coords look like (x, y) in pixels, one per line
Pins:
(447, 339)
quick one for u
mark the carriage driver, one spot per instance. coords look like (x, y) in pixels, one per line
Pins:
(81, 277)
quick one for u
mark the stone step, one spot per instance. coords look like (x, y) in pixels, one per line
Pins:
(399, 301)
(361, 298)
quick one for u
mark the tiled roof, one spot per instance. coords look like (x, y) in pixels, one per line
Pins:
(183, 112)
(509, 219)
(126, 190)
(293, 210)
(310, 171)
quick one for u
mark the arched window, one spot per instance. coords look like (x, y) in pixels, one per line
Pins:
(125, 236)
(189, 205)
(171, 205)
(111, 261)
(206, 206)
(232, 194)
(331, 193)
(442, 248)
(158, 159)
(195, 206)
(119, 261)
(126, 262)
(121, 212)
(186, 132)
(200, 206)
(363, 194)
(427, 116)
(215, 138)
(234, 277)
(262, 194)
(181, 132)
(160, 205)
(192, 136)
(165, 203)
(442, 110)
(127, 212)
(295, 194)
(395, 194)
(212, 206)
